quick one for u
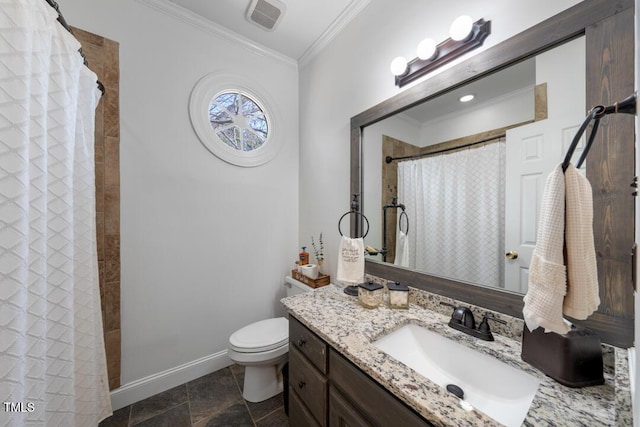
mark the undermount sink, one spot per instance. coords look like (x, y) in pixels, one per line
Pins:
(501, 391)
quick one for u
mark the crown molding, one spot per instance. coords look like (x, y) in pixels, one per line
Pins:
(350, 12)
(178, 12)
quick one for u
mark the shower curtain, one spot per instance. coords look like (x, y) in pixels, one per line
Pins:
(455, 204)
(52, 359)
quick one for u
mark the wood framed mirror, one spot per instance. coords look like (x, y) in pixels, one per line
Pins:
(609, 38)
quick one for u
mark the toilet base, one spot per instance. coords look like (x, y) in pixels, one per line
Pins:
(261, 382)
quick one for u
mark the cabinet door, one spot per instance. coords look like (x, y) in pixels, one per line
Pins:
(375, 402)
(342, 413)
(299, 415)
(308, 384)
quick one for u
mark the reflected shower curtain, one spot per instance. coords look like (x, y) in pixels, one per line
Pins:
(455, 204)
(52, 358)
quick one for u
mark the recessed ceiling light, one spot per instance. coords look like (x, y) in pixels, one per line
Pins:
(467, 98)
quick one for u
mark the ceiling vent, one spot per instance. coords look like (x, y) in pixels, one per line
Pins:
(266, 14)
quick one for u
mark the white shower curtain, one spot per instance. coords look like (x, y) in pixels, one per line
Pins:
(52, 359)
(455, 205)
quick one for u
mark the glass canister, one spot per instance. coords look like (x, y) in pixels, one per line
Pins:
(398, 295)
(370, 294)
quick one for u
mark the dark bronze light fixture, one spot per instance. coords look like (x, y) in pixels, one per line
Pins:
(466, 35)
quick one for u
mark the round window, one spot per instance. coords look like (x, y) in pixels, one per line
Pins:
(238, 121)
(233, 121)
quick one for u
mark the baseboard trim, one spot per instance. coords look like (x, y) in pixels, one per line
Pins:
(138, 390)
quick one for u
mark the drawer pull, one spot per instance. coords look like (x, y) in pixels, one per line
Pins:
(301, 383)
(301, 341)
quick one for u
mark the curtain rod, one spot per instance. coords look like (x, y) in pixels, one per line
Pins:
(390, 159)
(63, 22)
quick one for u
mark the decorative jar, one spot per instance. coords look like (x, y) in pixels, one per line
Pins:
(398, 295)
(370, 294)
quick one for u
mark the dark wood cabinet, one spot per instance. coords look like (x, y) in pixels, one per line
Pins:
(309, 344)
(308, 382)
(299, 415)
(342, 413)
(326, 389)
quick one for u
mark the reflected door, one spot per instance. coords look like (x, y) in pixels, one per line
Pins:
(533, 151)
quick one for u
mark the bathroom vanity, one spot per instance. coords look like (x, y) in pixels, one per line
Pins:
(337, 374)
(324, 385)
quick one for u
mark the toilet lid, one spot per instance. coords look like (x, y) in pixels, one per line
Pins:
(261, 336)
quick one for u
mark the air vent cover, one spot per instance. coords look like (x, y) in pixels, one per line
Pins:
(266, 13)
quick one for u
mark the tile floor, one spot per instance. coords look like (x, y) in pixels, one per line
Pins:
(212, 400)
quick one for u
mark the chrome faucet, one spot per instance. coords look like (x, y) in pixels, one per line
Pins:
(462, 320)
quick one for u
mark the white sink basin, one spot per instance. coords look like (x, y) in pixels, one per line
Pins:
(491, 386)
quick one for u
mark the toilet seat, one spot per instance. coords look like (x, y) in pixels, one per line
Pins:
(261, 336)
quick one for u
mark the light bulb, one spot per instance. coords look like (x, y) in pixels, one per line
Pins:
(427, 49)
(461, 28)
(398, 66)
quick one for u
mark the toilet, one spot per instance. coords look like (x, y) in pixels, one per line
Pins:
(262, 347)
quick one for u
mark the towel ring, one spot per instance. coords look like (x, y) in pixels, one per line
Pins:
(357, 213)
(595, 114)
(403, 213)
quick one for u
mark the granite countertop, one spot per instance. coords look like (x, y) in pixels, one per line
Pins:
(350, 329)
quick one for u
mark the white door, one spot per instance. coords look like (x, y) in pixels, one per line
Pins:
(533, 151)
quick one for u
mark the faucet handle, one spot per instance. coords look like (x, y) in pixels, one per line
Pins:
(484, 328)
(448, 304)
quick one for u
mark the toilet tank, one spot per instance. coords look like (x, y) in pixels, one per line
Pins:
(294, 287)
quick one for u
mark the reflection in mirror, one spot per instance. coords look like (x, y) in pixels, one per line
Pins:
(469, 176)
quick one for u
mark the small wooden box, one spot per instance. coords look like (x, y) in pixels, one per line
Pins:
(322, 280)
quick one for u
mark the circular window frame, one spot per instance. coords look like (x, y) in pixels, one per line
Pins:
(205, 91)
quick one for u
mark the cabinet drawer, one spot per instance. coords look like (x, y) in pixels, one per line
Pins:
(312, 346)
(299, 415)
(379, 405)
(342, 413)
(308, 384)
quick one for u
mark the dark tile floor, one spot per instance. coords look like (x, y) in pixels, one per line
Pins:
(212, 400)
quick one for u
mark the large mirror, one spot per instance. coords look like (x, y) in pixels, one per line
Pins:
(452, 188)
(598, 29)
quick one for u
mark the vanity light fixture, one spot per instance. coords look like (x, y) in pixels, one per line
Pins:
(427, 49)
(466, 35)
(399, 65)
(461, 28)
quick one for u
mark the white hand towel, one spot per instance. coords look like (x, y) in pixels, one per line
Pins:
(402, 249)
(351, 261)
(582, 297)
(547, 273)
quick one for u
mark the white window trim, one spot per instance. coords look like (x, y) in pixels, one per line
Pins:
(201, 96)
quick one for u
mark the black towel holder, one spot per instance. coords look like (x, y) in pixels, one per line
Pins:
(627, 106)
(355, 209)
(393, 205)
(403, 214)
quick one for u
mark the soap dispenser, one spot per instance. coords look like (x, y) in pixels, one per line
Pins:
(304, 256)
